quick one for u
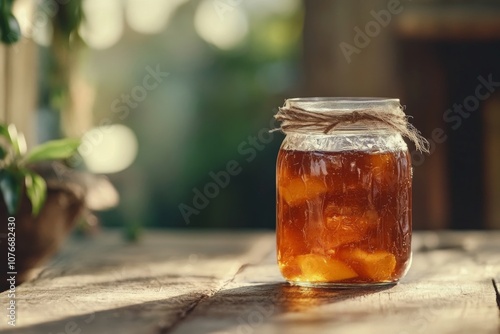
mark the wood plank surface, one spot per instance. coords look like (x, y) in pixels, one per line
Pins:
(109, 286)
(179, 282)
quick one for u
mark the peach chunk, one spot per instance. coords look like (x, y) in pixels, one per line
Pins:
(289, 270)
(378, 265)
(348, 224)
(382, 167)
(298, 190)
(318, 268)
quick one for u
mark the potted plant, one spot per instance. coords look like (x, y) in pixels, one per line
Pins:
(41, 201)
(38, 193)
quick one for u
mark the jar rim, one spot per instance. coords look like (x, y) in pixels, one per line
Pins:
(340, 99)
(341, 103)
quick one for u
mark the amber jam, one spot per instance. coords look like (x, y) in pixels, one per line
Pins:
(343, 218)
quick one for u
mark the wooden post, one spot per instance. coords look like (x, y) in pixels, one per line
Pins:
(330, 33)
(492, 163)
(20, 87)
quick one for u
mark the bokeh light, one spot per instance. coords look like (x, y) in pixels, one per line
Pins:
(103, 24)
(150, 16)
(109, 149)
(220, 24)
(35, 24)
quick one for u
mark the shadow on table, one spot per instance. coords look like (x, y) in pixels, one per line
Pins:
(245, 310)
(241, 310)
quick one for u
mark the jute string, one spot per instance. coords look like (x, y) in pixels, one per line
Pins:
(295, 118)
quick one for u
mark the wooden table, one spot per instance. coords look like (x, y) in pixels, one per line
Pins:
(224, 282)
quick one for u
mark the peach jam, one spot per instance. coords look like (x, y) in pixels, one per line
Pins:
(343, 202)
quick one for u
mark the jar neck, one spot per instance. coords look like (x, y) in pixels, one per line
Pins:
(349, 129)
(382, 141)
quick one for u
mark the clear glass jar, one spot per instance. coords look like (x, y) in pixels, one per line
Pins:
(344, 200)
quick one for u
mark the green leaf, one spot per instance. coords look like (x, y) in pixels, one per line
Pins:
(16, 139)
(3, 153)
(13, 136)
(10, 31)
(9, 27)
(19, 142)
(11, 190)
(53, 150)
(4, 132)
(36, 189)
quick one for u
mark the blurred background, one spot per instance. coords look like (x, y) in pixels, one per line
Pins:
(174, 98)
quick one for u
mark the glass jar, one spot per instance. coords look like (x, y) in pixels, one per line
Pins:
(344, 199)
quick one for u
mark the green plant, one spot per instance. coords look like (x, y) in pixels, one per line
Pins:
(66, 20)
(16, 174)
(9, 27)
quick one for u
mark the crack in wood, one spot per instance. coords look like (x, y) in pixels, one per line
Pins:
(186, 312)
(182, 315)
(496, 292)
